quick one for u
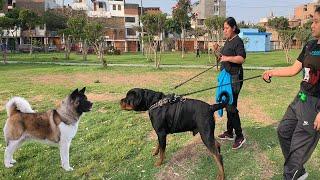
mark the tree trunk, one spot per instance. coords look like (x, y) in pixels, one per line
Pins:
(84, 50)
(5, 52)
(182, 43)
(67, 48)
(30, 41)
(102, 60)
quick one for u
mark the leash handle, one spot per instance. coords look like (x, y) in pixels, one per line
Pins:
(268, 80)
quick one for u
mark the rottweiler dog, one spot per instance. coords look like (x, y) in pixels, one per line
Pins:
(173, 114)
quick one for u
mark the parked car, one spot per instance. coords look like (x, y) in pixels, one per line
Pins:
(52, 48)
(26, 48)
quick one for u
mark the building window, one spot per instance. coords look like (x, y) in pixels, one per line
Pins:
(114, 7)
(131, 32)
(119, 7)
(100, 5)
(130, 19)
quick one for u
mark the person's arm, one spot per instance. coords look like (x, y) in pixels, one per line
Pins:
(283, 72)
(240, 54)
(233, 59)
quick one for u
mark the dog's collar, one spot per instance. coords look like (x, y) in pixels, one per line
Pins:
(169, 99)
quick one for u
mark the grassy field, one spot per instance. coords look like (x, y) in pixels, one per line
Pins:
(116, 144)
(273, 59)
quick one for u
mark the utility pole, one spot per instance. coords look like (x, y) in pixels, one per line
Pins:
(141, 34)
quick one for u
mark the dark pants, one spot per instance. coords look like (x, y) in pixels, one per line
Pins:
(297, 135)
(233, 117)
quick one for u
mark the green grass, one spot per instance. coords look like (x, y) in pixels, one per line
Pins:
(273, 59)
(116, 144)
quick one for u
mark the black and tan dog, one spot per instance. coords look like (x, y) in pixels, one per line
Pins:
(170, 114)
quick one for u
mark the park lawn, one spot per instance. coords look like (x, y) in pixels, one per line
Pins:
(272, 59)
(116, 144)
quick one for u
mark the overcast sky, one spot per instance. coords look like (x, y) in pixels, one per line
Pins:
(247, 10)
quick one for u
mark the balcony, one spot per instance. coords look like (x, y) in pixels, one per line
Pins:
(99, 14)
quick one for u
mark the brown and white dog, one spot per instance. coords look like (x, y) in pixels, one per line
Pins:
(57, 126)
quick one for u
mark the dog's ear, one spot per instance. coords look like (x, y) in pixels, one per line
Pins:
(74, 94)
(82, 90)
(137, 99)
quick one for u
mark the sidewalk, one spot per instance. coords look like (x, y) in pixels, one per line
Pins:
(133, 65)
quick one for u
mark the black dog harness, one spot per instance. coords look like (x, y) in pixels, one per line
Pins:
(171, 99)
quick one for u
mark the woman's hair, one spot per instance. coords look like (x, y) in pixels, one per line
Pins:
(232, 23)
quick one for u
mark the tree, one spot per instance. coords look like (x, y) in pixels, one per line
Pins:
(14, 15)
(154, 24)
(286, 38)
(172, 27)
(53, 22)
(5, 24)
(94, 32)
(281, 24)
(214, 26)
(242, 24)
(76, 27)
(2, 4)
(29, 20)
(182, 14)
(303, 35)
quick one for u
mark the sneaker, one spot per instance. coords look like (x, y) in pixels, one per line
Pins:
(226, 136)
(303, 175)
(238, 142)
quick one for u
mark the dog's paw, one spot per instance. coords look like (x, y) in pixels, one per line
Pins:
(8, 165)
(67, 168)
(13, 161)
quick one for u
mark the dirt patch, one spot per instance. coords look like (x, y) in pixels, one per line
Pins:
(89, 78)
(248, 108)
(37, 98)
(177, 167)
(104, 97)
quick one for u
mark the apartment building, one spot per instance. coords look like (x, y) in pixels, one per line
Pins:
(132, 19)
(39, 33)
(206, 8)
(304, 11)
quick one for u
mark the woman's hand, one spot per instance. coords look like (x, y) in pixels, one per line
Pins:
(267, 75)
(317, 122)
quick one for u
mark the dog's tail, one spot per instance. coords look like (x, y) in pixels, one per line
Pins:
(16, 104)
(224, 102)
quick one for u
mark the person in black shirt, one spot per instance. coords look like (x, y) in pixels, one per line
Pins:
(232, 57)
(298, 132)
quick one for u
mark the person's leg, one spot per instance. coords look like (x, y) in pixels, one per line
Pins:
(286, 128)
(304, 140)
(234, 118)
